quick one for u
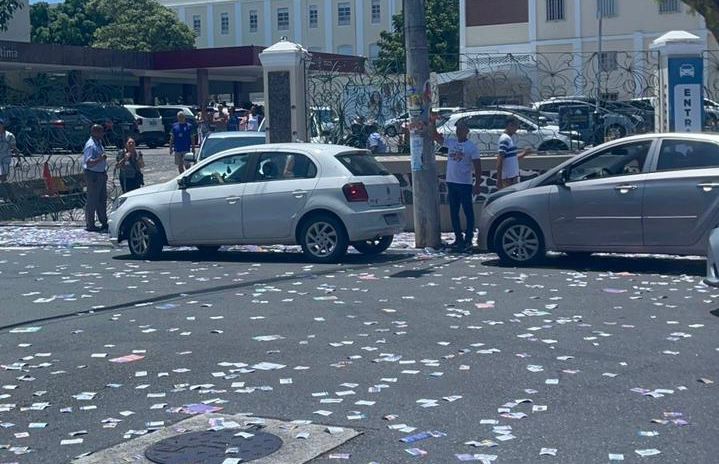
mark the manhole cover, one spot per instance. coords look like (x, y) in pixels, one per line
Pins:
(211, 447)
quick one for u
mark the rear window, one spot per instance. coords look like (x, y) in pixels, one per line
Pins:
(148, 113)
(362, 164)
(212, 146)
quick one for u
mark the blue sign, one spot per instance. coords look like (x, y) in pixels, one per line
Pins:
(686, 94)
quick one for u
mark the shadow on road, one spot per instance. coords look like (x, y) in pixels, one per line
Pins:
(269, 257)
(618, 263)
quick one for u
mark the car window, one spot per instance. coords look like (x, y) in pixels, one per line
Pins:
(148, 113)
(226, 170)
(686, 154)
(284, 166)
(212, 145)
(362, 164)
(620, 160)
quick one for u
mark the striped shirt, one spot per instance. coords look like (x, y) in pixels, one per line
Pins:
(508, 153)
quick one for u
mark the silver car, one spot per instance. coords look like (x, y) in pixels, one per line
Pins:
(713, 260)
(652, 193)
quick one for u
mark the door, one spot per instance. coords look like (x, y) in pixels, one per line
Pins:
(601, 203)
(281, 184)
(209, 209)
(681, 197)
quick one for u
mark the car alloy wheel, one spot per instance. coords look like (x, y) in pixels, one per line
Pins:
(139, 238)
(520, 242)
(321, 239)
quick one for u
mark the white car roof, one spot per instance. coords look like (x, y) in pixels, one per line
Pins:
(137, 107)
(235, 134)
(702, 137)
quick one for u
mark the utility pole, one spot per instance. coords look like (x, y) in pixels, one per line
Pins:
(599, 132)
(425, 186)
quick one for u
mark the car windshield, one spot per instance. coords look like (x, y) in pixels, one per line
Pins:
(362, 164)
(212, 146)
(148, 113)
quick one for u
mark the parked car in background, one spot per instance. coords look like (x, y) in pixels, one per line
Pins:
(67, 128)
(485, 127)
(614, 125)
(650, 193)
(322, 197)
(394, 126)
(149, 125)
(118, 122)
(168, 113)
(217, 142)
(30, 127)
(543, 119)
(712, 277)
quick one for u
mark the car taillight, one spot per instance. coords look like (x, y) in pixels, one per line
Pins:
(58, 124)
(138, 121)
(355, 192)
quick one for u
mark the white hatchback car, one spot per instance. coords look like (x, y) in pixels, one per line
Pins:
(149, 124)
(322, 197)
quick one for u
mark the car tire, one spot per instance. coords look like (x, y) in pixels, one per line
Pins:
(553, 145)
(144, 238)
(373, 247)
(391, 131)
(323, 239)
(519, 241)
(578, 255)
(208, 250)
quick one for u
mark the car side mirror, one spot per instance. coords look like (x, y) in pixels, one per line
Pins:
(182, 182)
(563, 177)
(189, 158)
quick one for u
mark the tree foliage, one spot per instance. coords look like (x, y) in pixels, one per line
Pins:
(7, 10)
(136, 25)
(442, 39)
(710, 10)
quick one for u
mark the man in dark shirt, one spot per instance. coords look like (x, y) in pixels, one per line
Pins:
(181, 141)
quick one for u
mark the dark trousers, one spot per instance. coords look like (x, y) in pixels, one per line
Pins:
(460, 195)
(96, 198)
(129, 183)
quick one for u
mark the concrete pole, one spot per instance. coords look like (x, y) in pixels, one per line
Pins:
(425, 186)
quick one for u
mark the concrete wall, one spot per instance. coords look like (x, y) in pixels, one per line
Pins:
(531, 167)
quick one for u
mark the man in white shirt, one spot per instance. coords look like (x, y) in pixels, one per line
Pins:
(462, 158)
(94, 164)
(8, 147)
(509, 156)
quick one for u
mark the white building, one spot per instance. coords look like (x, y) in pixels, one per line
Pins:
(348, 27)
(18, 28)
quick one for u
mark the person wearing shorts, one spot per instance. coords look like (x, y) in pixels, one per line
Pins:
(509, 156)
(8, 147)
(181, 141)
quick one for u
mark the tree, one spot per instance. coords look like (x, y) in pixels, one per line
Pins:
(133, 25)
(442, 37)
(7, 10)
(710, 10)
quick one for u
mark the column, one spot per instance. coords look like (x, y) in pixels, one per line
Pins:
(283, 66)
(237, 96)
(146, 90)
(203, 88)
(297, 26)
(267, 21)
(239, 21)
(681, 82)
(210, 28)
(359, 27)
(462, 32)
(533, 24)
(182, 15)
(328, 13)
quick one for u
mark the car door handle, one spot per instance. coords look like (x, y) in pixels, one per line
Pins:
(625, 188)
(299, 193)
(708, 186)
(233, 200)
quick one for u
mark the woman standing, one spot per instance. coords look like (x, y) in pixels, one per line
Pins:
(130, 165)
(205, 126)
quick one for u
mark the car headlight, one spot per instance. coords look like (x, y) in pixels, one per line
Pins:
(118, 203)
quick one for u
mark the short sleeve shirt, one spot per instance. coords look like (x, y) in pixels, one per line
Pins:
(92, 151)
(376, 144)
(459, 161)
(181, 137)
(508, 153)
(7, 144)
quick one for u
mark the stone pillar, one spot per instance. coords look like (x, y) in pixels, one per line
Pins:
(283, 66)
(680, 97)
(146, 91)
(203, 88)
(237, 95)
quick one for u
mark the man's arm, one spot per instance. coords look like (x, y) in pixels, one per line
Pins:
(500, 162)
(172, 142)
(477, 174)
(525, 152)
(436, 136)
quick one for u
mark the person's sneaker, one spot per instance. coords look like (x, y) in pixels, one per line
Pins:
(104, 229)
(457, 247)
(92, 229)
(468, 247)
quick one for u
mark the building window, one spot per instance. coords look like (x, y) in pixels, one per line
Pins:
(607, 8)
(253, 20)
(376, 12)
(345, 50)
(668, 6)
(344, 14)
(283, 19)
(314, 17)
(224, 23)
(608, 61)
(555, 10)
(197, 25)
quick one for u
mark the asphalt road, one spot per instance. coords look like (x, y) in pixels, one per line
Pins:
(472, 337)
